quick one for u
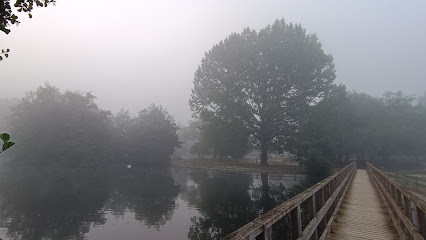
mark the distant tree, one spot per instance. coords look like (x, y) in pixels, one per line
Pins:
(266, 80)
(199, 148)
(352, 124)
(122, 125)
(321, 141)
(152, 136)
(422, 100)
(404, 127)
(190, 132)
(55, 128)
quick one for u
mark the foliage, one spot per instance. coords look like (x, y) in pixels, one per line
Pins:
(8, 15)
(60, 128)
(321, 140)
(352, 124)
(8, 11)
(200, 148)
(6, 143)
(150, 137)
(422, 100)
(266, 80)
(4, 53)
(190, 132)
(224, 138)
(69, 129)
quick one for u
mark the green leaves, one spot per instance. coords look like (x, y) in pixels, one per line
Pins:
(5, 53)
(5, 137)
(8, 11)
(6, 144)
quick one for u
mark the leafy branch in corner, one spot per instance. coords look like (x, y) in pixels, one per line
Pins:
(8, 11)
(9, 17)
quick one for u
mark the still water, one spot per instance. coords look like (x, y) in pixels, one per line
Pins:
(146, 203)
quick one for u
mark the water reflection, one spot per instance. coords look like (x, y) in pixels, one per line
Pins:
(230, 201)
(177, 204)
(148, 193)
(50, 203)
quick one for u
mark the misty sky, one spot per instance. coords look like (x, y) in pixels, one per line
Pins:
(132, 53)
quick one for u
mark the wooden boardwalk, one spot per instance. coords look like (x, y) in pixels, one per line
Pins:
(351, 204)
(362, 215)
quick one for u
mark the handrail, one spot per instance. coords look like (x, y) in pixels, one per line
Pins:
(406, 209)
(324, 200)
(404, 179)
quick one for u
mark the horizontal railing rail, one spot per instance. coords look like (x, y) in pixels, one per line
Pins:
(407, 210)
(411, 181)
(236, 165)
(323, 202)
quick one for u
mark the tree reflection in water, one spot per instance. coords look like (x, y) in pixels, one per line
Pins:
(50, 203)
(149, 193)
(66, 203)
(59, 203)
(229, 201)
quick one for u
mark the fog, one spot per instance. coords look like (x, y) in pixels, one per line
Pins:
(134, 53)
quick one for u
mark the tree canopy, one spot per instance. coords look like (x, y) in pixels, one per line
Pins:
(151, 135)
(69, 129)
(267, 80)
(348, 124)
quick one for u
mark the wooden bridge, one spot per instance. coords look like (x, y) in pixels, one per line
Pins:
(353, 203)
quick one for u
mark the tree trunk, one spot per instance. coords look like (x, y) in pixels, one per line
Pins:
(264, 152)
(266, 199)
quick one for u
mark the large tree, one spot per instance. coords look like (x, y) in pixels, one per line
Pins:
(266, 79)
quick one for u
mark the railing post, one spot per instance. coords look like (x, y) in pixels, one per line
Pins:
(407, 208)
(312, 211)
(321, 201)
(421, 221)
(296, 223)
(266, 234)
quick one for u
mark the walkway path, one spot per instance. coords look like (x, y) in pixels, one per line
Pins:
(362, 215)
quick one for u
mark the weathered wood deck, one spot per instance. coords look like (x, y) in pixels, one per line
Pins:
(351, 204)
(362, 215)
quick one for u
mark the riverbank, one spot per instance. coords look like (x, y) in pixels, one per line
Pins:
(241, 165)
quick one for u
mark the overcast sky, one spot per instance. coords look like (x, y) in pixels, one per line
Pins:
(132, 53)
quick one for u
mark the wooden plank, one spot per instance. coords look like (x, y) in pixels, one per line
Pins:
(362, 216)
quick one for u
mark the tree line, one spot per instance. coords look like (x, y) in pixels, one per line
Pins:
(273, 90)
(270, 90)
(69, 129)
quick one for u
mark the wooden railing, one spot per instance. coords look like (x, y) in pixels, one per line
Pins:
(323, 201)
(407, 210)
(409, 181)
